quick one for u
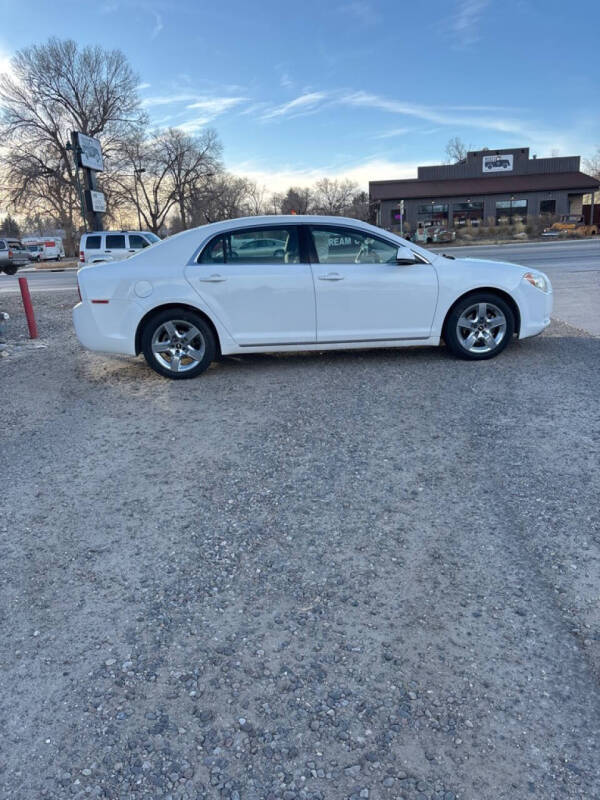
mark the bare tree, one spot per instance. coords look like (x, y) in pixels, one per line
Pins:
(225, 197)
(191, 160)
(333, 197)
(55, 88)
(143, 179)
(592, 164)
(456, 150)
(297, 200)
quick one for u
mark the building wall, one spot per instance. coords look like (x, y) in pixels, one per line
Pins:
(564, 205)
(471, 167)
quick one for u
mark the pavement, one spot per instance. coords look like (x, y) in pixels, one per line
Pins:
(299, 577)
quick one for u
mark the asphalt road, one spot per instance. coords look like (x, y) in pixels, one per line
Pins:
(307, 577)
(574, 268)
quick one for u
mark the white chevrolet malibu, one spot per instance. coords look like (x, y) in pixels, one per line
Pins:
(328, 283)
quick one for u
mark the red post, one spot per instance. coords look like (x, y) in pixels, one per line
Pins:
(24, 287)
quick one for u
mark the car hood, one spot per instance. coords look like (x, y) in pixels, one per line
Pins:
(506, 267)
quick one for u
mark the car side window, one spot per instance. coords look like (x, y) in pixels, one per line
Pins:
(2, 245)
(254, 246)
(93, 243)
(137, 242)
(335, 245)
(115, 241)
(214, 252)
(265, 245)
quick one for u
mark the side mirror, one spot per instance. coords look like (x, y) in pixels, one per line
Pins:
(405, 255)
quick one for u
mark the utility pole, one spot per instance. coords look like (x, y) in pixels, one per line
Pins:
(136, 173)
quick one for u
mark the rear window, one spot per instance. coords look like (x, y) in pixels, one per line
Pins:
(115, 241)
(93, 243)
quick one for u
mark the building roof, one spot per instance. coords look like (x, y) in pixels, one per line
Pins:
(498, 184)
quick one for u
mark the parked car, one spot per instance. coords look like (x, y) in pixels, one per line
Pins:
(259, 248)
(433, 234)
(44, 248)
(102, 246)
(571, 225)
(339, 284)
(12, 255)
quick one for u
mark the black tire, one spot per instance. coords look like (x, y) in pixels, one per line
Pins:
(11, 270)
(455, 342)
(184, 317)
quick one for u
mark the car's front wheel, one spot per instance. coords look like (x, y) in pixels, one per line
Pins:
(178, 343)
(479, 326)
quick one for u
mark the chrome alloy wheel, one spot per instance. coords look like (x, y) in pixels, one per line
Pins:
(178, 345)
(481, 327)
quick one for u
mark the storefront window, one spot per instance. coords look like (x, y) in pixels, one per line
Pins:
(548, 207)
(467, 213)
(432, 214)
(511, 212)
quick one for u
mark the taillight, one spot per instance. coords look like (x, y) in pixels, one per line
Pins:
(82, 256)
(10, 254)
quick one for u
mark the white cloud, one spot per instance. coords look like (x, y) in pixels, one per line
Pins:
(466, 21)
(216, 105)
(302, 104)
(158, 25)
(141, 86)
(393, 133)
(280, 179)
(5, 65)
(452, 117)
(360, 10)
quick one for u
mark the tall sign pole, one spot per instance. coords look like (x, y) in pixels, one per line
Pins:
(88, 156)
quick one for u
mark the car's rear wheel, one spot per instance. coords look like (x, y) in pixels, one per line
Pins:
(178, 343)
(10, 270)
(479, 326)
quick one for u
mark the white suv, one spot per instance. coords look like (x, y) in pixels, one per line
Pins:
(100, 246)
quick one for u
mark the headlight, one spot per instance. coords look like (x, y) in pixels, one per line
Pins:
(536, 279)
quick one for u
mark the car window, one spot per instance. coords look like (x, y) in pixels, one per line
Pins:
(115, 241)
(152, 237)
(254, 246)
(2, 245)
(349, 245)
(137, 242)
(265, 246)
(214, 252)
(93, 243)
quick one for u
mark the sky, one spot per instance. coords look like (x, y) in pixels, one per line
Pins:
(364, 89)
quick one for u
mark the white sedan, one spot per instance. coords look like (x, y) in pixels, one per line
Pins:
(334, 284)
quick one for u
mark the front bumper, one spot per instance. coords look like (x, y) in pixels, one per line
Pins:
(536, 309)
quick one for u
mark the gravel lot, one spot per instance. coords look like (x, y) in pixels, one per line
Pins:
(350, 575)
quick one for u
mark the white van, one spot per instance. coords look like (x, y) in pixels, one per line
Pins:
(99, 246)
(44, 248)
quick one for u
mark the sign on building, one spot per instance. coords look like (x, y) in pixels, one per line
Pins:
(90, 152)
(96, 201)
(498, 163)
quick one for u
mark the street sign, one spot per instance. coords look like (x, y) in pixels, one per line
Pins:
(90, 153)
(96, 201)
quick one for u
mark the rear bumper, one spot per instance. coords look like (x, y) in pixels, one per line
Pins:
(105, 328)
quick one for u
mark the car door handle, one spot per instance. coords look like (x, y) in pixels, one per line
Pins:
(213, 279)
(331, 276)
(108, 251)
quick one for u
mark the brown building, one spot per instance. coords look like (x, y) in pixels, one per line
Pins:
(488, 187)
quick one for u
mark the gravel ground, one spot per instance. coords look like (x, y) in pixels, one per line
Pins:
(350, 575)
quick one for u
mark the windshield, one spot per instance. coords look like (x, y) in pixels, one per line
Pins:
(152, 237)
